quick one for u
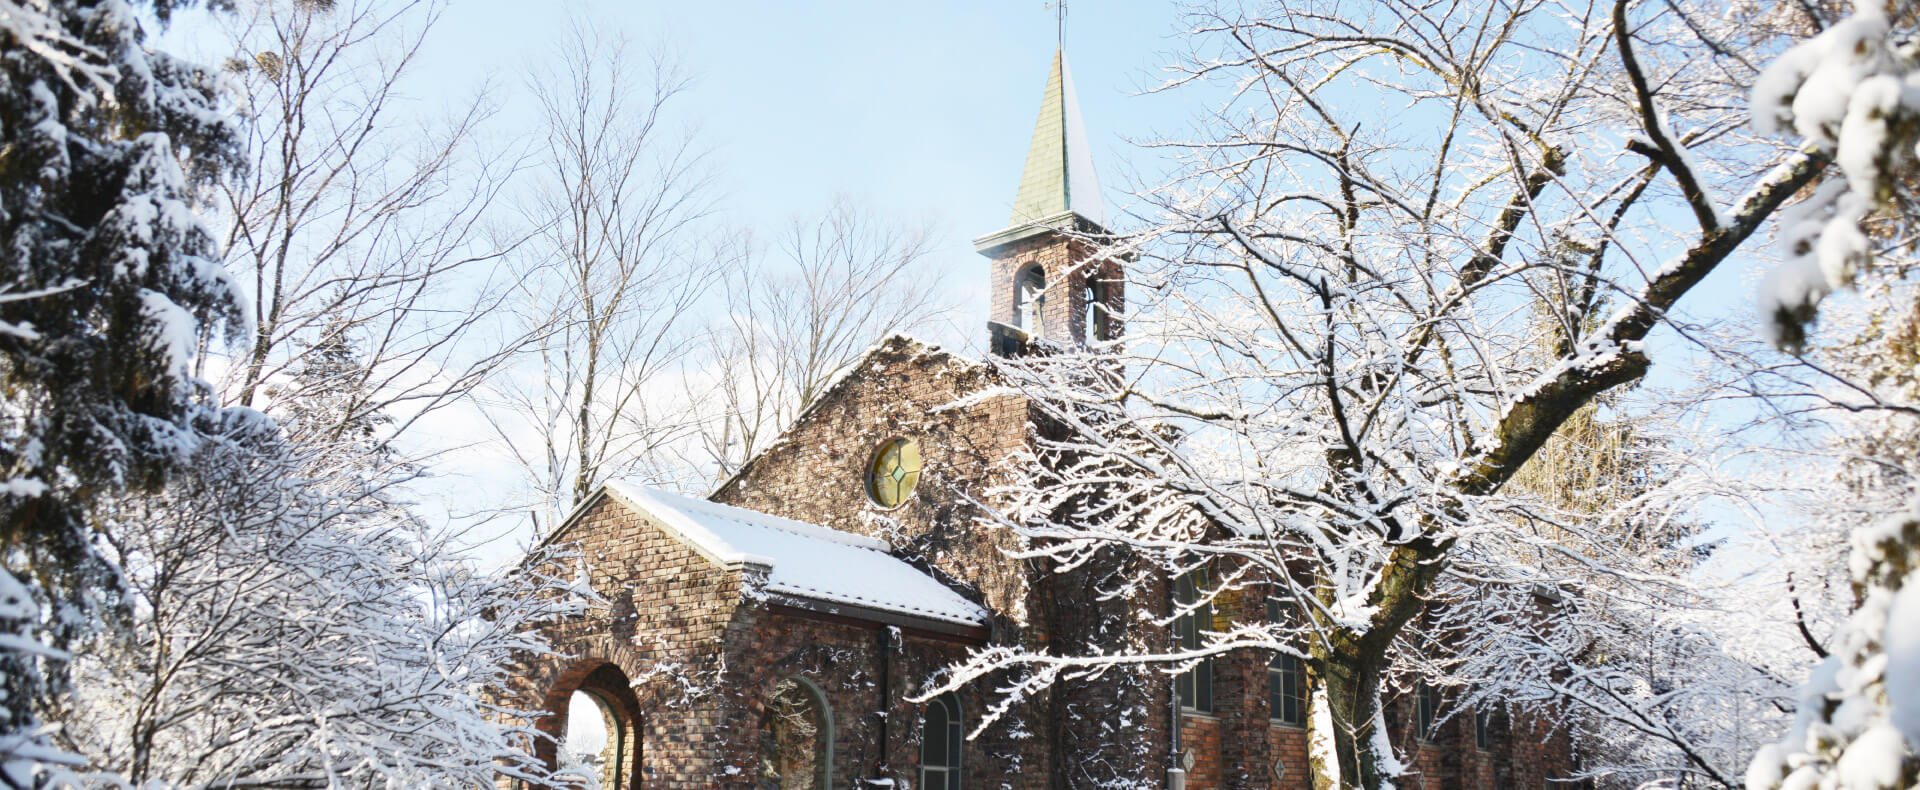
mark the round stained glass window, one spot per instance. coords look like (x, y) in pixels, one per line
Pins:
(895, 471)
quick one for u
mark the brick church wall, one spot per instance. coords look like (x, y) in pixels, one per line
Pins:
(817, 470)
(669, 608)
(709, 654)
(817, 473)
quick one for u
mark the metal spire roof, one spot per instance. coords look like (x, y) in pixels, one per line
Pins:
(1059, 176)
(1058, 190)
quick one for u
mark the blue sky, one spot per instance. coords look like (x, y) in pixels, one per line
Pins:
(921, 111)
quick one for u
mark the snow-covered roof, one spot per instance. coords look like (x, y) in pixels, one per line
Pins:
(804, 560)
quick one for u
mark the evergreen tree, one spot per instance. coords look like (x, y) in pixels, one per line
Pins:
(108, 282)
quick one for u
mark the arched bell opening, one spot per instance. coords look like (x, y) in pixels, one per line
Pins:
(1030, 301)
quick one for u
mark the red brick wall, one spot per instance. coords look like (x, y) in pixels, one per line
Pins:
(1289, 744)
(1090, 731)
(707, 662)
(668, 611)
(1235, 746)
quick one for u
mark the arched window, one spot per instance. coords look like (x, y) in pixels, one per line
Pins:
(796, 739)
(940, 740)
(599, 720)
(1030, 301)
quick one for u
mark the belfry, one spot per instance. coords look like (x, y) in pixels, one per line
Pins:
(1044, 285)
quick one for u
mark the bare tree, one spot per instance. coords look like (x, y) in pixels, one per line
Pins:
(1335, 373)
(613, 272)
(800, 315)
(350, 225)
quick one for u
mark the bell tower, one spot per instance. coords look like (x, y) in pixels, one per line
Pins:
(1048, 290)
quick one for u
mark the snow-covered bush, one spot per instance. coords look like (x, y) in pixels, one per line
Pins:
(293, 625)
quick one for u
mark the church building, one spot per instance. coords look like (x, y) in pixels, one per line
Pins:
(776, 633)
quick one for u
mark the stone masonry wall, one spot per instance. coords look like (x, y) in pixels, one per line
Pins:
(1066, 283)
(668, 611)
(817, 471)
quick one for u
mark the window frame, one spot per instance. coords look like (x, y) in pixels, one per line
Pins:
(822, 709)
(908, 485)
(1483, 729)
(1096, 313)
(1194, 687)
(1426, 713)
(952, 774)
(1283, 667)
(1029, 315)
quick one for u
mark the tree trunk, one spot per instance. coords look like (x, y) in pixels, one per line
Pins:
(1343, 722)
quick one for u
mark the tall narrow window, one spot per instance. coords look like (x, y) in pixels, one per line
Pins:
(1194, 686)
(796, 739)
(940, 742)
(1426, 710)
(1096, 318)
(1286, 680)
(1030, 301)
(1483, 729)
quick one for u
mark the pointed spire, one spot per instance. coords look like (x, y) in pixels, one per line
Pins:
(1059, 176)
(1058, 189)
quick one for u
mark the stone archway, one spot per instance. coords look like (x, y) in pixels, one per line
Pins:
(595, 724)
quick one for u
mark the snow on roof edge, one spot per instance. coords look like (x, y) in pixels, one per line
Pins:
(701, 538)
(681, 514)
(662, 500)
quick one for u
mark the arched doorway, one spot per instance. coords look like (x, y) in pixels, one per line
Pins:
(597, 729)
(796, 738)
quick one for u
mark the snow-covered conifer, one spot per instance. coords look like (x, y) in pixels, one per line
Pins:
(108, 283)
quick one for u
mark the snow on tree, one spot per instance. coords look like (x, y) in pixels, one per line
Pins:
(1850, 91)
(1847, 92)
(108, 282)
(296, 624)
(1334, 373)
